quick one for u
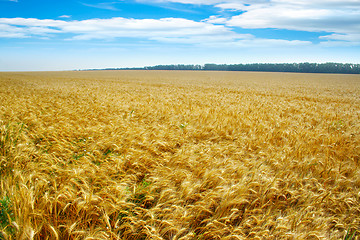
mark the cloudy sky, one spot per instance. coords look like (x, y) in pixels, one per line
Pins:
(82, 34)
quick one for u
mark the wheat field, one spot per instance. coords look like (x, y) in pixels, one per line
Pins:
(179, 155)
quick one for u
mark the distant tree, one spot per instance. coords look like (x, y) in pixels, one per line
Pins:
(306, 67)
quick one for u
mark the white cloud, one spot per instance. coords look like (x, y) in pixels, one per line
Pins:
(105, 5)
(273, 43)
(216, 20)
(194, 2)
(65, 16)
(142, 28)
(343, 37)
(219, 40)
(165, 30)
(236, 4)
(320, 3)
(259, 43)
(339, 21)
(231, 6)
(341, 18)
(336, 40)
(7, 31)
(298, 18)
(338, 17)
(32, 22)
(115, 28)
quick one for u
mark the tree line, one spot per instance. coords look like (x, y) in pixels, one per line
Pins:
(344, 68)
(330, 67)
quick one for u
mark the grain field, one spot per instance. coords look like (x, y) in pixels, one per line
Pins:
(179, 155)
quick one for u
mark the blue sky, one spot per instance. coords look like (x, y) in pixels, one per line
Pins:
(82, 34)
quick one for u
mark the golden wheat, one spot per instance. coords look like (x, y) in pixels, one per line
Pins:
(179, 155)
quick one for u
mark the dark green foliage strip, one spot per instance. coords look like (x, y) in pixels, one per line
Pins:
(343, 68)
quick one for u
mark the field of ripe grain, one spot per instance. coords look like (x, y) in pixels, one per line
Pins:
(179, 155)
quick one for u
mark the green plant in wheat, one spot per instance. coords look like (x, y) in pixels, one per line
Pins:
(6, 215)
(141, 192)
(349, 236)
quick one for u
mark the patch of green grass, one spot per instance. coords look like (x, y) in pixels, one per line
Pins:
(96, 162)
(144, 183)
(77, 156)
(337, 126)
(107, 152)
(6, 215)
(141, 192)
(123, 214)
(199, 237)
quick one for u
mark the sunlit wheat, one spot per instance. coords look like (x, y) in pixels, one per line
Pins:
(179, 155)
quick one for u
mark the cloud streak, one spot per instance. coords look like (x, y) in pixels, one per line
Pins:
(165, 30)
(104, 5)
(298, 17)
(340, 18)
(193, 2)
(152, 29)
(337, 21)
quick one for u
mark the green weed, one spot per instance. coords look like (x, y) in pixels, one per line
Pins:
(6, 215)
(141, 192)
(77, 156)
(349, 236)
